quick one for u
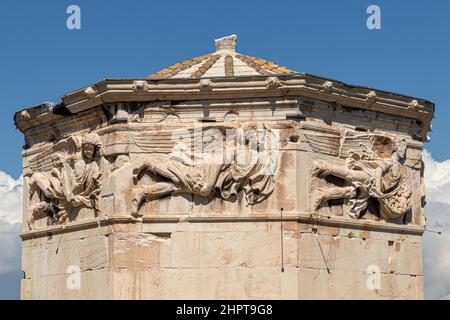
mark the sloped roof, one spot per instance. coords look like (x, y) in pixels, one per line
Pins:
(224, 62)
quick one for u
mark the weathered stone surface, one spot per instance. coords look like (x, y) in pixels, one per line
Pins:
(273, 185)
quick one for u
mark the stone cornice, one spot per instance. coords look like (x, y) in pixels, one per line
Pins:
(310, 86)
(313, 219)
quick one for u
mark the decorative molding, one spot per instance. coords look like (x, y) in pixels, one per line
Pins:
(90, 92)
(327, 87)
(371, 97)
(238, 88)
(226, 43)
(205, 85)
(414, 105)
(140, 86)
(273, 83)
(24, 115)
(304, 218)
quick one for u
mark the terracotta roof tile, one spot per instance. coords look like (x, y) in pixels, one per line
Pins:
(229, 66)
(178, 67)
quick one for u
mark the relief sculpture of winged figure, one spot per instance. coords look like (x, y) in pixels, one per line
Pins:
(372, 168)
(226, 171)
(68, 177)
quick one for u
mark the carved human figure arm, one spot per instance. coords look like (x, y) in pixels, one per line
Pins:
(322, 169)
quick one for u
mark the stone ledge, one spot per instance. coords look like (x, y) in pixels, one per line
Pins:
(109, 91)
(219, 217)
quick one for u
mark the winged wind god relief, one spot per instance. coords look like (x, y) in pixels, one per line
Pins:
(373, 168)
(220, 161)
(66, 176)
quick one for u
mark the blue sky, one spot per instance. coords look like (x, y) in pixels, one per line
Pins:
(40, 59)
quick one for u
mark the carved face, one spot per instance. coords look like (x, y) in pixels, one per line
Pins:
(88, 150)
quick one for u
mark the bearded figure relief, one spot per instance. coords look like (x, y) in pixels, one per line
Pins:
(72, 182)
(216, 170)
(373, 168)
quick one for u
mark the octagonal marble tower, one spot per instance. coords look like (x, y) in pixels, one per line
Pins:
(224, 177)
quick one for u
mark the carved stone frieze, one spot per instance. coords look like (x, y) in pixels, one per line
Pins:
(161, 164)
(372, 168)
(224, 168)
(73, 181)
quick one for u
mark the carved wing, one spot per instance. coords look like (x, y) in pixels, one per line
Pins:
(160, 141)
(359, 144)
(163, 141)
(48, 158)
(326, 143)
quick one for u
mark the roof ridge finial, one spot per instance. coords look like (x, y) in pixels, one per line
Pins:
(226, 43)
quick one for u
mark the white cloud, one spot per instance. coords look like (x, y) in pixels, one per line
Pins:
(437, 179)
(436, 247)
(10, 244)
(10, 222)
(437, 211)
(10, 199)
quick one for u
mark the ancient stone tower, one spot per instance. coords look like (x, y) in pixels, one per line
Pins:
(224, 176)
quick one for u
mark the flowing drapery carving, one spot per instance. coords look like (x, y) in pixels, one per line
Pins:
(372, 169)
(73, 181)
(215, 170)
